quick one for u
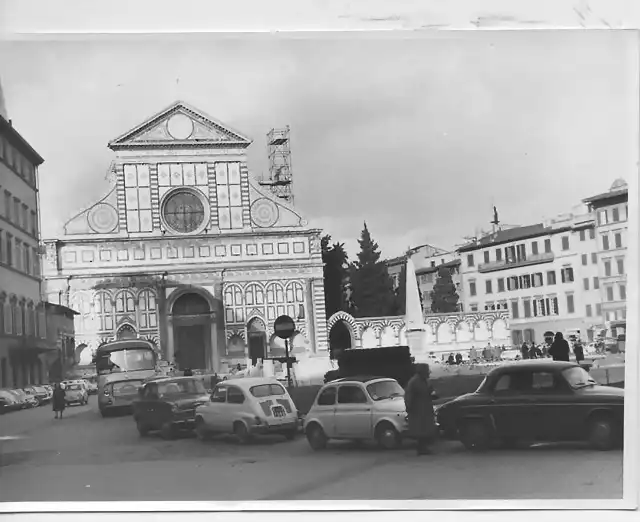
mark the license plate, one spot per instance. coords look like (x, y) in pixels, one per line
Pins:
(278, 411)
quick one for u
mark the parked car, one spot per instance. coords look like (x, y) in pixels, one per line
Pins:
(24, 400)
(168, 404)
(76, 393)
(532, 400)
(8, 402)
(32, 397)
(41, 393)
(358, 408)
(247, 407)
(92, 387)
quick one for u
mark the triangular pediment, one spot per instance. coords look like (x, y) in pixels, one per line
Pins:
(180, 125)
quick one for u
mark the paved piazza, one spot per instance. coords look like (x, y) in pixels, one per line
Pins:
(87, 458)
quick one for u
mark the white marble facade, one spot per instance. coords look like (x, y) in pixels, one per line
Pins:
(186, 249)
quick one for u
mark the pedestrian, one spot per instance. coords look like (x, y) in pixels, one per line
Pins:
(458, 358)
(578, 351)
(560, 348)
(58, 400)
(418, 399)
(451, 359)
(525, 350)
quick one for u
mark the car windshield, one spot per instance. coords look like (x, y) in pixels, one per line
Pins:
(192, 386)
(385, 390)
(578, 377)
(73, 387)
(267, 390)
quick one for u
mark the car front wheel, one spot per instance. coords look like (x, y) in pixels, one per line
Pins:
(143, 429)
(316, 437)
(475, 435)
(387, 436)
(241, 432)
(168, 431)
(201, 430)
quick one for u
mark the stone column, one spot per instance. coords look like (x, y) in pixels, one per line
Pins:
(215, 354)
(169, 340)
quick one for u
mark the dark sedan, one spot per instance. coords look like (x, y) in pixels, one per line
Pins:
(538, 400)
(168, 404)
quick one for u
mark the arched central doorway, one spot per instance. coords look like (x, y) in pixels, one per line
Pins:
(191, 331)
(256, 340)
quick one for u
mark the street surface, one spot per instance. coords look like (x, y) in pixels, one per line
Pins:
(84, 457)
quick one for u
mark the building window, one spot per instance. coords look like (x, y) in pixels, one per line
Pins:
(470, 260)
(594, 258)
(18, 250)
(585, 282)
(534, 248)
(488, 286)
(536, 280)
(603, 217)
(489, 307)
(9, 257)
(522, 252)
(545, 306)
(527, 307)
(615, 215)
(473, 307)
(551, 277)
(596, 283)
(525, 281)
(570, 308)
(34, 224)
(25, 217)
(620, 262)
(501, 285)
(618, 239)
(609, 291)
(598, 309)
(565, 242)
(513, 283)
(498, 254)
(472, 288)
(510, 254)
(433, 264)
(582, 235)
(605, 242)
(547, 246)
(588, 310)
(486, 256)
(585, 259)
(592, 233)
(229, 195)
(567, 274)
(623, 292)
(7, 205)
(607, 267)
(27, 259)
(515, 313)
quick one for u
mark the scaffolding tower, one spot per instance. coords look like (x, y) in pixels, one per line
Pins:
(280, 178)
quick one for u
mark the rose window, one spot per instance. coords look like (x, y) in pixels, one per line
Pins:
(183, 212)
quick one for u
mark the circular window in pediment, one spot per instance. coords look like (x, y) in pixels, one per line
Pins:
(184, 211)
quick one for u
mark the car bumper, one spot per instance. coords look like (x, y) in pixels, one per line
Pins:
(264, 429)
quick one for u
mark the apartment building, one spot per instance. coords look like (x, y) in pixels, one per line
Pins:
(611, 211)
(23, 342)
(427, 260)
(543, 274)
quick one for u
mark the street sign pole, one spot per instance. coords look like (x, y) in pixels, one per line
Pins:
(286, 347)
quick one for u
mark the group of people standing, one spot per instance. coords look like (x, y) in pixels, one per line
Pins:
(559, 349)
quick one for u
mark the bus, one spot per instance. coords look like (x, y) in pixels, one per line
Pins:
(122, 366)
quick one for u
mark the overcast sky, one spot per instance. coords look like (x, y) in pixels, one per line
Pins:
(419, 136)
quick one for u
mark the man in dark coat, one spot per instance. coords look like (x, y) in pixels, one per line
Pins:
(524, 350)
(58, 400)
(560, 348)
(418, 399)
(578, 351)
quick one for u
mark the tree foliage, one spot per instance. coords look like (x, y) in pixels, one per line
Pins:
(336, 265)
(444, 297)
(372, 291)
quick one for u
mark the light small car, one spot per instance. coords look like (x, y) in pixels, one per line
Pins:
(76, 393)
(358, 408)
(247, 407)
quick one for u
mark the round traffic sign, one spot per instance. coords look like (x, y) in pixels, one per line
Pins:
(284, 327)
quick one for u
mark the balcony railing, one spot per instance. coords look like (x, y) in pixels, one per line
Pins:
(545, 257)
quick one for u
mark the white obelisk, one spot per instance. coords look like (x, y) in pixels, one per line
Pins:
(413, 318)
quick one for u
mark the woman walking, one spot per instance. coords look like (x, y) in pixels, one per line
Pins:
(58, 400)
(560, 348)
(418, 400)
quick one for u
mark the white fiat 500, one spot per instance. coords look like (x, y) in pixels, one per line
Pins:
(247, 407)
(358, 408)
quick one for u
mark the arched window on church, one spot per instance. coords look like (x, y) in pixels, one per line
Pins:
(148, 315)
(234, 305)
(104, 310)
(275, 295)
(295, 300)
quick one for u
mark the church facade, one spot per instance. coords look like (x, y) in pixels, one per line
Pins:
(189, 251)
